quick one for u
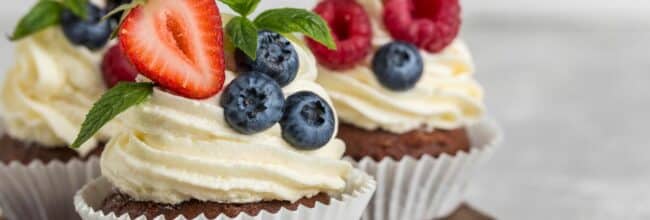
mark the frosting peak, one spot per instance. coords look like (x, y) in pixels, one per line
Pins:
(48, 92)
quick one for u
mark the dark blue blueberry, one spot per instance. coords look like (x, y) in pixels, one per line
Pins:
(276, 58)
(308, 122)
(252, 103)
(92, 32)
(398, 66)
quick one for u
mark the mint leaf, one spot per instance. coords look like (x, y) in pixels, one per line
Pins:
(243, 7)
(44, 14)
(243, 34)
(288, 20)
(78, 7)
(125, 9)
(114, 102)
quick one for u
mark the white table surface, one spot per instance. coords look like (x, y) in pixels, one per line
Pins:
(573, 96)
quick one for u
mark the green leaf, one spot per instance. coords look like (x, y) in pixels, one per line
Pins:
(243, 7)
(243, 34)
(289, 20)
(114, 102)
(78, 7)
(125, 9)
(43, 15)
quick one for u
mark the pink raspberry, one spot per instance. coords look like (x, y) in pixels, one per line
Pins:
(351, 30)
(116, 67)
(430, 24)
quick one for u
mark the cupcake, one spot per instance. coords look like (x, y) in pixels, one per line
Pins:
(45, 95)
(202, 141)
(411, 112)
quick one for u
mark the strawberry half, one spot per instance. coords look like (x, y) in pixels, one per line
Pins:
(177, 44)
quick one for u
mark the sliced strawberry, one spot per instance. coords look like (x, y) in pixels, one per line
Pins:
(177, 44)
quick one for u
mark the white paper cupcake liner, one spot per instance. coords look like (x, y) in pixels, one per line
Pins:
(430, 187)
(44, 191)
(348, 206)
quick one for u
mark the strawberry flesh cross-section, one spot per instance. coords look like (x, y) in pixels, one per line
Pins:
(178, 45)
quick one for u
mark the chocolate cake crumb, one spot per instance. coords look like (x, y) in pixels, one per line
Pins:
(120, 204)
(379, 144)
(12, 149)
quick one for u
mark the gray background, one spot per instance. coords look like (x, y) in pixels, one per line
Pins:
(569, 82)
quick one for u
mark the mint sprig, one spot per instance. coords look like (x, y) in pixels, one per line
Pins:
(288, 20)
(243, 7)
(44, 14)
(112, 103)
(125, 9)
(240, 30)
(243, 34)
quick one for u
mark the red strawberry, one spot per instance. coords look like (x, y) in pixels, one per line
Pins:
(177, 44)
(351, 30)
(430, 24)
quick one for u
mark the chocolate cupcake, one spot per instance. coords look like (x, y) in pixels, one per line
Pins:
(200, 141)
(44, 98)
(411, 111)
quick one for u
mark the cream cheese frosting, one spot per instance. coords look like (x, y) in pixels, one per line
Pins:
(49, 90)
(446, 97)
(175, 149)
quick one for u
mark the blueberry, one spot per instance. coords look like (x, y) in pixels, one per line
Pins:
(308, 121)
(92, 32)
(252, 103)
(276, 57)
(398, 66)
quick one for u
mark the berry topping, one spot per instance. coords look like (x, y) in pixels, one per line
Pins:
(276, 58)
(116, 67)
(398, 66)
(351, 30)
(308, 122)
(92, 32)
(252, 103)
(177, 44)
(430, 24)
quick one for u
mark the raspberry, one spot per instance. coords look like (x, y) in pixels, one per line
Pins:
(351, 30)
(116, 67)
(430, 24)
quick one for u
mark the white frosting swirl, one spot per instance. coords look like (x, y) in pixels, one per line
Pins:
(446, 97)
(47, 94)
(175, 149)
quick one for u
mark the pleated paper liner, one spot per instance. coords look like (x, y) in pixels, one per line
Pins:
(349, 205)
(44, 191)
(428, 187)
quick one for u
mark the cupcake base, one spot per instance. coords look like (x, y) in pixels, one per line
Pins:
(38, 182)
(12, 149)
(121, 204)
(43, 191)
(428, 187)
(379, 144)
(347, 205)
